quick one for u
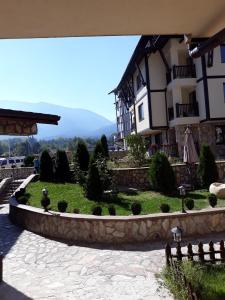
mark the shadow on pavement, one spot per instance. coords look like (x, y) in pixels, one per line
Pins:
(9, 232)
(8, 292)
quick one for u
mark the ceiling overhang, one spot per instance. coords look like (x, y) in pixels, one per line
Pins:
(67, 18)
(14, 122)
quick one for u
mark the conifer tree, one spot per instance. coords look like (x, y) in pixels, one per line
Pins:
(46, 167)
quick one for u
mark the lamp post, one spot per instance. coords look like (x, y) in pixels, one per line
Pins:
(45, 192)
(182, 192)
(177, 236)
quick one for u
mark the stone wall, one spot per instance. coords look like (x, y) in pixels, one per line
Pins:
(138, 177)
(116, 229)
(16, 173)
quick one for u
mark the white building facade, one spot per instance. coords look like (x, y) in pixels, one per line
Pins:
(163, 90)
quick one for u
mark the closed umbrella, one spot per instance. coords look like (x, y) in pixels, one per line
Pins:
(190, 153)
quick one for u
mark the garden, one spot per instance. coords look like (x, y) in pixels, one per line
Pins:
(87, 186)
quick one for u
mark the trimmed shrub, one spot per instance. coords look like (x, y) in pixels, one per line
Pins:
(82, 156)
(76, 211)
(94, 188)
(212, 200)
(29, 161)
(46, 167)
(22, 200)
(105, 146)
(45, 202)
(164, 207)
(98, 151)
(207, 169)
(189, 203)
(112, 210)
(161, 174)
(62, 172)
(96, 210)
(62, 205)
(136, 208)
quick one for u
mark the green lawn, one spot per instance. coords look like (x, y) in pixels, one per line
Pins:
(75, 197)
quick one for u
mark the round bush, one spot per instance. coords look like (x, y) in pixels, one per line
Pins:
(22, 191)
(212, 200)
(76, 211)
(97, 210)
(112, 210)
(62, 206)
(45, 201)
(164, 207)
(136, 208)
(189, 203)
(22, 200)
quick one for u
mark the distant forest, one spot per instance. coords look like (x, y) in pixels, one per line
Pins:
(29, 145)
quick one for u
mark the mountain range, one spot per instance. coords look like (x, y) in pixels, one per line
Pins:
(73, 122)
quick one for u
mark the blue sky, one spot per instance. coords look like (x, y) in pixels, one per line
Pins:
(74, 72)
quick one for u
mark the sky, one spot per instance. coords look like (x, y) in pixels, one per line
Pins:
(73, 72)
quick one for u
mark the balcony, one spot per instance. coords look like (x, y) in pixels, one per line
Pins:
(185, 71)
(187, 110)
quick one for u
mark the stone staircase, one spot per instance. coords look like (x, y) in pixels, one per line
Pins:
(9, 190)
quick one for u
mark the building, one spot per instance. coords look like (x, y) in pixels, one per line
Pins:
(163, 90)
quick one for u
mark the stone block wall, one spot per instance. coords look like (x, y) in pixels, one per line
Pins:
(138, 177)
(116, 229)
(16, 173)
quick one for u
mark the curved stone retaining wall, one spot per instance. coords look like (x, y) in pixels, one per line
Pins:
(115, 229)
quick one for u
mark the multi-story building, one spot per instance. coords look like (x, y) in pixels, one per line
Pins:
(163, 90)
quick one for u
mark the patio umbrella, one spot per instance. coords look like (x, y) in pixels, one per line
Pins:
(190, 153)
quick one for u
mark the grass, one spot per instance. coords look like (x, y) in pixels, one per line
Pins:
(207, 279)
(74, 195)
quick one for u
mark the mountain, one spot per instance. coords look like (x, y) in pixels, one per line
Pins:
(73, 122)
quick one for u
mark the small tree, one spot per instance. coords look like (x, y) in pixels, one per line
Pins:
(94, 188)
(62, 172)
(46, 167)
(161, 174)
(98, 150)
(137, 148)
(105, 146)
(82, 155)
(207, 169)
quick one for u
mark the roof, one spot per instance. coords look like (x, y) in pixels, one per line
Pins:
(29, 116)
(156, 42)
(62, 18)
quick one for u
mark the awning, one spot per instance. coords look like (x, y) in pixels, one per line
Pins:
(62, 18)
(15, 122)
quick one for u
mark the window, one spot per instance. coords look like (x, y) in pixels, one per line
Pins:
(138, 82)
(220, 135)
(141, 112)
(222, 52)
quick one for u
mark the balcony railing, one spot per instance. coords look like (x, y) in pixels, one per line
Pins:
(169, 150)
(185, 71)
(170, 113)
(187, 110)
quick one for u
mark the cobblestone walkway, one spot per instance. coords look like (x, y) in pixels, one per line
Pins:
(40, 268)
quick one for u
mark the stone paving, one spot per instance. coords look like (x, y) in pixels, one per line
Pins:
(40, 268)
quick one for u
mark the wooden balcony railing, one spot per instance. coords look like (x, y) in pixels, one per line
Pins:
(185, 71)
(187, 110)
